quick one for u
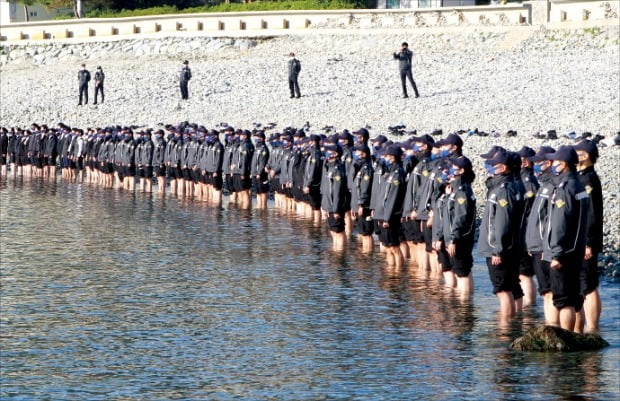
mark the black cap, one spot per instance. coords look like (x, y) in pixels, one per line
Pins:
(185, 62)
(492, 152)
(452, 139)
(362, 148)
(589, 147)
(393, 150)
(540, 155)
(526, 151)
(363, 132)
(260, 134)
(381, 139)
(425, 139)
(564, 153)
(501, 157)
(462, 162)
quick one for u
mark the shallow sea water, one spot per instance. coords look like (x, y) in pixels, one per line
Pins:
(109, 295)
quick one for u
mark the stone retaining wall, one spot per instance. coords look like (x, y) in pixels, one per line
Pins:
(255, 24)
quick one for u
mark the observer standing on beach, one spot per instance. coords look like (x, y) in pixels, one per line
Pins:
(184, 77)
(99, 77)
(83, 80)
(404, 65)
(294, 67)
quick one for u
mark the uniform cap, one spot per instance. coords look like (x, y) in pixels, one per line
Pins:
(452, 139)
(526, 151)
(393, 150)
(492, 152)
(363, 132)
(589, 147)
(361, 148)
(540, 155)
(501, 157)
(462, 162)
(425, 139)
(564, 153)
(381, 139)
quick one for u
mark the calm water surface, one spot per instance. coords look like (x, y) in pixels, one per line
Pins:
(107, 295)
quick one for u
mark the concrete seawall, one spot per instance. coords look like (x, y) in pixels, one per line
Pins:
(553, 13)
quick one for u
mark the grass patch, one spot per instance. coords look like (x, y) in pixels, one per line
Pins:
(223, 7)
(594, 31)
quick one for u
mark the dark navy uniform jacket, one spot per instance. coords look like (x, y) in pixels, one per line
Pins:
(393, 193)
(592, 185)
(500, 229)
(566, 234)
(362, 186)
(537, 219)
(334, 190)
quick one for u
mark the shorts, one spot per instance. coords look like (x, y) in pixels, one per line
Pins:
(364, 224)
(566, 285)
(411, 229)
(186, 174)
(241, 184)
(428, 236)
(541, 268)
(159, 171)
(314, 198)
(444, 259)
(217, 181)
(335, 225)
(504, 277)
(228, 183)
(588, 276)
(172, 172)
(51, 161)
(3, 160)
(148, 172)
(526, 265)
(390, 236)
(109, 168)
(274, 185)
(38, 162)
(463, 259)
(260, 184)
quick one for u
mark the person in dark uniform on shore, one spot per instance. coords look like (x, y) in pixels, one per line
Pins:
(260, 179)
(184, 76)
(566, 236)
(99, 78)
(404, 65)
(294, 67)
(83, 80)
(312, 177)
(4, 151)
(588, 319)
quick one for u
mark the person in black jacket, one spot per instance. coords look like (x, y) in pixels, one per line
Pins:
(500, 232)
(360, 195)
(391, 198)
(565, 241)
(184, 76)
(404, 65)
(83, 80)
(535, 229)
(258, 169)
(4, 150)
(294, 67)
(99, 78)
(587, 152)
(333, 191)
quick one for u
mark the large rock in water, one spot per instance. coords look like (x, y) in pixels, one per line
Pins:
(549, 338)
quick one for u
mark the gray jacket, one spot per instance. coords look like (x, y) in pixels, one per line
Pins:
(294, 67)
(404, 59)
(537, 219)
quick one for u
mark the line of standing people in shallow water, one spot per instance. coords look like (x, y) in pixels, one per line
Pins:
(543, 211)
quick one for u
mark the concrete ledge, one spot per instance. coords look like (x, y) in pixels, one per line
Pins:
(536, 12)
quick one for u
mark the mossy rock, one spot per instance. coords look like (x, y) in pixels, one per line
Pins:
(549, 338)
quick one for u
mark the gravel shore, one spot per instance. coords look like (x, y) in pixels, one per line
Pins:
(523, 78)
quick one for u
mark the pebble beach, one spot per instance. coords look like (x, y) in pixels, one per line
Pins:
(526, 79)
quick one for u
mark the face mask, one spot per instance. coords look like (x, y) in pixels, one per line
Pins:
(538, 169)
(444, 176)
(452, 171)
(444, 153)
(555, 169)
(489, 169)
(434, 156)
(356, 156)
(416, 147)
(376, 148)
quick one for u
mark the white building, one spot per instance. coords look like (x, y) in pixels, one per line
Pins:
(426, 3)
(13, 11)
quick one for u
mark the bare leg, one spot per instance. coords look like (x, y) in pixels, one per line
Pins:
(567, 318)
(529, 290)
(506, 303)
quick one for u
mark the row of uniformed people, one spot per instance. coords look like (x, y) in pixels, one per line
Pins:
(543, 216)
(415, 195)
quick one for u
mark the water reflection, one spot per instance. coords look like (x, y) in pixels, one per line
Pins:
(109, 295)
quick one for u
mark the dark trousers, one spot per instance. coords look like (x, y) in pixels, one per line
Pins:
(84, 92)
(184, 90)
(99, 88)
(294, 86)
(404, 74)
